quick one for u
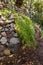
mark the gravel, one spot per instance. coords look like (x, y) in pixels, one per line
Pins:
(14, 40)
(3, 40)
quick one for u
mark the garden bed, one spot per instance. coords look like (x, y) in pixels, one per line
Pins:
(12, 52)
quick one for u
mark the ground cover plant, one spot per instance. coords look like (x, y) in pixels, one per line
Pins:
(25, 30)
(21, 32)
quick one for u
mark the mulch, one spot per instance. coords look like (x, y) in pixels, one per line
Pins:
(24, 56)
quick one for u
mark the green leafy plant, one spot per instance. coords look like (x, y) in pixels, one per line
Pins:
(25, 30)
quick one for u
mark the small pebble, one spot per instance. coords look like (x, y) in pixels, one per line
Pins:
(14, 40)
(3, 34)
(6, 29)
(7, 52)
(3, 19)
(3, 40)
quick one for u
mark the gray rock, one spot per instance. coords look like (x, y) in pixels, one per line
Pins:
(3, 18)
(6, 29)
(12, 25)
(14, 40)
(7, 25)
(3, 34)
(11, 29)
(3, 40)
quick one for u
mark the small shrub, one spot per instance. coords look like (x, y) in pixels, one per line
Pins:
(25, 30)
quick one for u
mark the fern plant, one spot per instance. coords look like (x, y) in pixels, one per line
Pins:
(25, 30)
